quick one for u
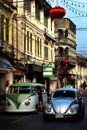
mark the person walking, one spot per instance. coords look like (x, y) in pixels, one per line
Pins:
(40, 98)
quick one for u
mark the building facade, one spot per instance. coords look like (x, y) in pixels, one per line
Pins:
(70, 65)
(32, 40)
(7, 18)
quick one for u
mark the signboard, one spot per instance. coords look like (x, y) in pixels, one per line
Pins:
(47, 71)
(69, 86)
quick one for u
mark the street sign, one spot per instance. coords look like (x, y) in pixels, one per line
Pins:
(47, 71)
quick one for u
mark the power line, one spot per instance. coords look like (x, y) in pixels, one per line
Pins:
(81, 29)
(76, 2)
(75, 7)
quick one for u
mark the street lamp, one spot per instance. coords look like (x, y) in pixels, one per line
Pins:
(66, 62)
(57, 47)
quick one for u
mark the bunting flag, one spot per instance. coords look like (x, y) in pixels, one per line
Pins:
(77, 7)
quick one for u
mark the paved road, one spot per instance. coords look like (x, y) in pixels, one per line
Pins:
(36, 122)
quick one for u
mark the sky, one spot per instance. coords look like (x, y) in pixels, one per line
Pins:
(76, 11)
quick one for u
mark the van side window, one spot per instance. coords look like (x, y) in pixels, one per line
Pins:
(16, 90)
(43, 89)
(13, 90)
(34, 90)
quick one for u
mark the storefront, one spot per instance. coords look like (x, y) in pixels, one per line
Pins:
(34, 73)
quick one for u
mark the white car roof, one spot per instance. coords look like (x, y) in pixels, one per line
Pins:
(68, 89)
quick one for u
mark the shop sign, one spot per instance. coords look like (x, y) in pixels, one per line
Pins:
(47, 71)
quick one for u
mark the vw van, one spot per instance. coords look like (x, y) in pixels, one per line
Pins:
(23, 97)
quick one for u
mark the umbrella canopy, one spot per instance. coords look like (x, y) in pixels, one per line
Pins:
(4, 63)
(6, 66)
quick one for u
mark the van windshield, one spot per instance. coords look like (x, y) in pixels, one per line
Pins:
(24, 89)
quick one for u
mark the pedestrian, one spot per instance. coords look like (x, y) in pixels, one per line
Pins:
(6, 85)
(40, 98)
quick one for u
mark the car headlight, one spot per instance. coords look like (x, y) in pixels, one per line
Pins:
(48, 110)
(27, 103)
(73, 109)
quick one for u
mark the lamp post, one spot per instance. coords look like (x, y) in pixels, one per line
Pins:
(66, 62)
(57, 60)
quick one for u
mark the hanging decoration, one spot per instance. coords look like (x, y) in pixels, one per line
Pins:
(75, 7)
(57, 12)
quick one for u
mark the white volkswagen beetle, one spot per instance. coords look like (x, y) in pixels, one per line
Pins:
(64, 103)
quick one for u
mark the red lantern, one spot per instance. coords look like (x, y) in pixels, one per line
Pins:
(66, 61)
(72, 76)
(57, 12)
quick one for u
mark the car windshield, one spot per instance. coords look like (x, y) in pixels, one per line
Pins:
(64, 94)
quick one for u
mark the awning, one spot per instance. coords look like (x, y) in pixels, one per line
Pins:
(6, 66)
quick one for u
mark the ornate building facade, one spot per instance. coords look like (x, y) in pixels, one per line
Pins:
(32, 40)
